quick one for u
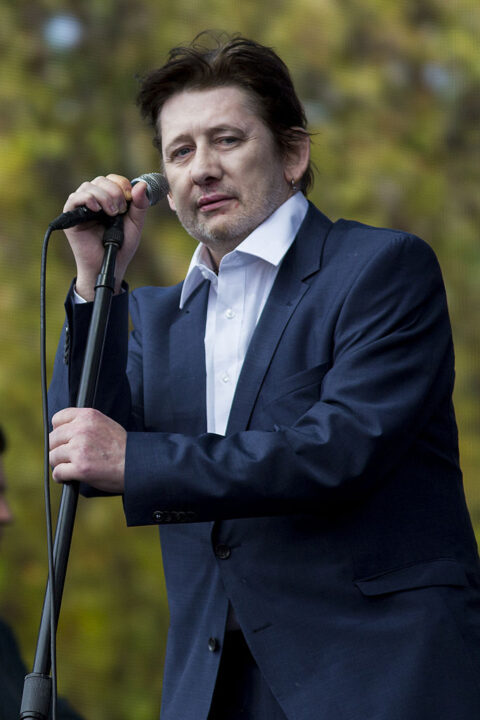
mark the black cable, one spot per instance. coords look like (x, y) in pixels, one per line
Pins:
(38, 682)
(46, 472)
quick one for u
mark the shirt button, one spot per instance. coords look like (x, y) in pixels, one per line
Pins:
(213, 644)
(229, 314)
(226, 378)
(223, 552)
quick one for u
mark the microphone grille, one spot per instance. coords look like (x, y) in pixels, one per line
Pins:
(157, 186)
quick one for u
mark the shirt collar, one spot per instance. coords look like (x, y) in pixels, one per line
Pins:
(269, 242)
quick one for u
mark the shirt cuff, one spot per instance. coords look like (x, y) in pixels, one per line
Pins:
(78, 299)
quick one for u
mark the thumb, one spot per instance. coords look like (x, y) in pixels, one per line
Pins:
(137, 194)
(139, 197)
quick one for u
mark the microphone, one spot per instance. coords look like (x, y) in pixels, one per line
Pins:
(157, 189)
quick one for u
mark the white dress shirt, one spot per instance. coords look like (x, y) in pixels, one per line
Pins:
(237, 296)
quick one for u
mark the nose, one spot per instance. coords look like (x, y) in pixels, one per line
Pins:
(206, 166)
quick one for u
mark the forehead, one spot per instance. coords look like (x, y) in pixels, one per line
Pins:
(194, 109)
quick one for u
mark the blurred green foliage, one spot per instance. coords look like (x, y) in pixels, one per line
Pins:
(392, 92)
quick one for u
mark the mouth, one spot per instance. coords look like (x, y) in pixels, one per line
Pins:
(216, 201)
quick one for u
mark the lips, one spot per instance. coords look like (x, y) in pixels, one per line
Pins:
(214, 201)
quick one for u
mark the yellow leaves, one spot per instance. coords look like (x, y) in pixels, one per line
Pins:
(391, 91)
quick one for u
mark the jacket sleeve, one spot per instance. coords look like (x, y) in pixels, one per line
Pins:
(112, 395)
(113, 392)
(390, 374)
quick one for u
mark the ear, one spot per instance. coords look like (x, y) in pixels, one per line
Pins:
(298, 156)
(171, 202)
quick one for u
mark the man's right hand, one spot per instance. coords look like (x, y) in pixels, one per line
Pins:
(110, 194)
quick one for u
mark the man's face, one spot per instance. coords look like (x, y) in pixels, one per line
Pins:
(225, 172)
(5, 512)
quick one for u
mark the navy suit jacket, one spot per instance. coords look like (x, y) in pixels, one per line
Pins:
(332, 515)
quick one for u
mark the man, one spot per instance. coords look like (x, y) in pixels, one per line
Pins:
(285, 416)
(12, 667)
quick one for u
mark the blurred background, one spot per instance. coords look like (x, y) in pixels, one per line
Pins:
(392, 93)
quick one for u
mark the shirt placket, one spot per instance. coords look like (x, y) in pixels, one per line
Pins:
(228, 322)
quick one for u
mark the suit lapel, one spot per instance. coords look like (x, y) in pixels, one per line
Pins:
(301, 262)
(187, 364)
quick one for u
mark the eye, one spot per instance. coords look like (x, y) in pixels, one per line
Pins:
(228, 140)
(181, 152)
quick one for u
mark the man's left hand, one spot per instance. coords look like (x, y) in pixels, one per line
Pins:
(87, 446)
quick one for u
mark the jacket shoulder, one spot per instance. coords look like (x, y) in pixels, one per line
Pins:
(356, 244)
(161, 301)
(352, 233)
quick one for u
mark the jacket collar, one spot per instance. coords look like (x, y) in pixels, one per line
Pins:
(302, 261)
(270, 241)
(187, 349)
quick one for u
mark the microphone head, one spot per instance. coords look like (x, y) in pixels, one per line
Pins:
(157, 186)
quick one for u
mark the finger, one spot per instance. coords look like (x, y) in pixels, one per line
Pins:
(65, 472)
(123, 182)
(90, 194)
(65, 416)
(98, 194)
(61, 474)
(70, 459)
(60, 436)
(60, 455)
(136, 193)
(117, 192)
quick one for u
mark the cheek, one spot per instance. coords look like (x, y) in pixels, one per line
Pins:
(264, 168)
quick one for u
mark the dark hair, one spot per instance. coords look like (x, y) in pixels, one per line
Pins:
(233, 60)
(3, 441)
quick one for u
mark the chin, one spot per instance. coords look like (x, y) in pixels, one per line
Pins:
(216, 233)
(218, 230)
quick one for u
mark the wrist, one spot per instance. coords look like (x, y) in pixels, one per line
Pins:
(85, 289)
(85, 286)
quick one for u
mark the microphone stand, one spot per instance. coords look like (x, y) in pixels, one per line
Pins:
(37, 686)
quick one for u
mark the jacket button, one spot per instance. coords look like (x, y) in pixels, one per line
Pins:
(223, 552)
(213, 644)
(158, 516)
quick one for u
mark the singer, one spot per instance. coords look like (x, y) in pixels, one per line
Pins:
(284, 415)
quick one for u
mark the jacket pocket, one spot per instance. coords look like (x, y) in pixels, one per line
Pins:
(444, 571)
(300, 381)
(288, 399)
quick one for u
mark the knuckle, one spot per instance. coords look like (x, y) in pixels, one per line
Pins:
(84, 467)
(89, 414)
(82, 462)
